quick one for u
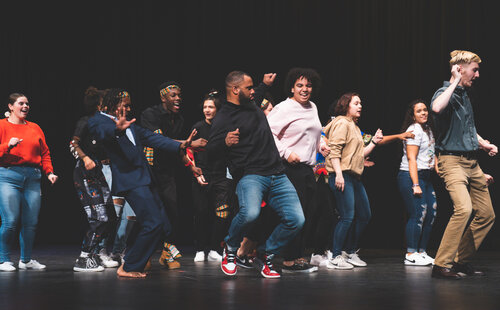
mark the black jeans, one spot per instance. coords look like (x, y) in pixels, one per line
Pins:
(212, 205)
(302, 178)
(321, 218)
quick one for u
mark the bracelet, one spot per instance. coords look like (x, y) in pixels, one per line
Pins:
(415, 185)
(373, 142)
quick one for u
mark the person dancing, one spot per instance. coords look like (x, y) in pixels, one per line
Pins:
(414, 182)
(457, 146)
(345, 164)
(24, 154)
(124, 143)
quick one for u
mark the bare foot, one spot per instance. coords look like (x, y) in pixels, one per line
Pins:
(129, 274)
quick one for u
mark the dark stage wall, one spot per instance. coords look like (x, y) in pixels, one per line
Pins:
(391, 52)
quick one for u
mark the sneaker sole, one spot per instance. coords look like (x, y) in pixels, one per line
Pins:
(227, 273)
(300, 271)
(270, 277)
(408, 263)
(87, 270)
(357, 265)
(338, 267)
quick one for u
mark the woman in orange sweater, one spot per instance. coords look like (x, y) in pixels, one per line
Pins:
(23, 156)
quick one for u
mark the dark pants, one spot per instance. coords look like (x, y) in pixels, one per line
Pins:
(321, 218)
(153, 224)
(95, 196)
(212, 212)
(167, 189)
(302, 178)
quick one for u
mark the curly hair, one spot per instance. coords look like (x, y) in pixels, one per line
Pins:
(296, 73)
(112, 99)
(409, 118)
(92, 99)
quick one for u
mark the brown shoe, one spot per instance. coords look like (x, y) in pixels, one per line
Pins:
(467, 269)
(444, 273)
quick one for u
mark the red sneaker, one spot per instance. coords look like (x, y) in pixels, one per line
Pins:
(268, 269)
(228, 264)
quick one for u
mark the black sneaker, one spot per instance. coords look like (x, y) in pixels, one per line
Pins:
(244, 262)
(466, 269)
(87, 264)
(299, 267)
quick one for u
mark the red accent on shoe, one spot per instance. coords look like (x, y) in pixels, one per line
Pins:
(228, 264)
(269, 273)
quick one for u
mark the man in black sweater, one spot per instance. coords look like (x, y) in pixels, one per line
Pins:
(240, 131)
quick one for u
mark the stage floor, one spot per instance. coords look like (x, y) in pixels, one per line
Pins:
(385, 284)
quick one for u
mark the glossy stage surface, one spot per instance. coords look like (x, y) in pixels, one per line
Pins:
(385, 284)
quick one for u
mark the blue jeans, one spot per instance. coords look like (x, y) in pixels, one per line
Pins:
(281, 197)
(421, 210)
(20, 201)
(354, 211)
(124, 226)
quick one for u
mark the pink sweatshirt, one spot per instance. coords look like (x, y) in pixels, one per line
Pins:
(296, 128)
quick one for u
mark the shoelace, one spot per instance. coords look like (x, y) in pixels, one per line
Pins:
(231, 257)
(269, 262)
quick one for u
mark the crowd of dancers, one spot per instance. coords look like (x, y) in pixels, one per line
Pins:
(269, 180)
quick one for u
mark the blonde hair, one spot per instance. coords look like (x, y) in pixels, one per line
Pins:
(463, 57)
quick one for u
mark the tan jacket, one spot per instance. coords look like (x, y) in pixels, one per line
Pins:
(345, 141)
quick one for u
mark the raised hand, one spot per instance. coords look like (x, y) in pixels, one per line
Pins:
(269, 78)
(189, 140)
(455, 72)
(13, 142)
(378, 136)
(233, 137)
(121, 119)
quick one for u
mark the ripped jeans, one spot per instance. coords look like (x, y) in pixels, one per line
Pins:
(421, 210)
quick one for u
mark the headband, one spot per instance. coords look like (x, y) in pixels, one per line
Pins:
(123, 94)
(169, 88)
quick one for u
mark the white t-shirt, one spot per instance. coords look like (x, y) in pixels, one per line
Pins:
(425, 156)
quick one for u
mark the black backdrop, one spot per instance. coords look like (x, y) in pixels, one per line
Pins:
(391, 52)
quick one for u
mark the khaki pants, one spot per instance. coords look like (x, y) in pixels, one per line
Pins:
(468, 190)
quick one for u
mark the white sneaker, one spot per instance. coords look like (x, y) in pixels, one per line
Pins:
(200, 256)
(415, 259)
(7, 266)
(318, 260)
(354, 259)
(338, 263)
(427, 257)
(106, 261)
(32, 264)
(213, 256)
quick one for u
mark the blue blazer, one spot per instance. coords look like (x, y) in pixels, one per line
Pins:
(129, 167)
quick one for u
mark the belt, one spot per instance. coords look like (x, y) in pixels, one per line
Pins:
(468, 155)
